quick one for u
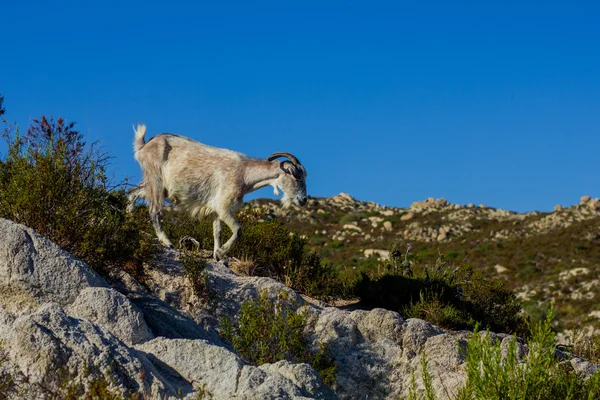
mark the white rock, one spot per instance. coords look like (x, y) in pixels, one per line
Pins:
(500, 269)
(584, 199)
(407, 216)
(111, 309)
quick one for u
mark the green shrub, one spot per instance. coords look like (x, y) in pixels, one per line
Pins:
(497, 373)
(352, 217)
(494, 375)
(267, 332)
(52, 182)
(454, 298)
(194, 269)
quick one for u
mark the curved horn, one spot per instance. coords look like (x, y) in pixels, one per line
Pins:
(295, 161)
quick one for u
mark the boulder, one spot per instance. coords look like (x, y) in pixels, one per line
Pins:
(584, 199)
(114, 311)
(34, 266)
(49, 347)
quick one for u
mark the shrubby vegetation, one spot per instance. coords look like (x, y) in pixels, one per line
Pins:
(267, 332)
(497, 373)
(51, 181)
(453, 297)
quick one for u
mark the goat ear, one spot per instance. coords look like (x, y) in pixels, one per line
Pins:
(289, 168)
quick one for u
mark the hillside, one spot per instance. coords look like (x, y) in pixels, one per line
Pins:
(544, 256)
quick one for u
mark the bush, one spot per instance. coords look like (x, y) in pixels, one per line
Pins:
(267, 332)
(494, 372)
(494, 375)
(453, 298)
(274, 250)
(348, 218)
(194, 269)
(52, 182)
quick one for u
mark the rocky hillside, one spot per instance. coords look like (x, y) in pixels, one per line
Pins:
(544, 256)
(61, 322)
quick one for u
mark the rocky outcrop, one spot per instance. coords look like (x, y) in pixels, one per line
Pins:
(32, 266)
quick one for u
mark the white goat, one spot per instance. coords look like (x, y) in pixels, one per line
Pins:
(204, 180)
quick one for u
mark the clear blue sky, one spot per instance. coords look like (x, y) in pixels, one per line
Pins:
(484, 102)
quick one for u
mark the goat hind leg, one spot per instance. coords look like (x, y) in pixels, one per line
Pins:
(236, 230)
(133, 195)
(162, 236)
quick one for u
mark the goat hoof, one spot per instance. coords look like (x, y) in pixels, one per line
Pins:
(219, 255)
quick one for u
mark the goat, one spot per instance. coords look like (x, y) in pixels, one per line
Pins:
(204, 180)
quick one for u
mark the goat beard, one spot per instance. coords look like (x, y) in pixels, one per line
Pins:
(286, 201)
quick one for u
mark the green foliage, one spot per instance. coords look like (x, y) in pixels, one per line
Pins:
(494, 374)
(454, 298)
(194, 269)
(352, 217)
(267, 332)
(500, 372)
(52, 182)
(275, 251)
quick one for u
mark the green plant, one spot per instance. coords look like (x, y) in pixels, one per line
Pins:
(51, 181)
(455, 298)
(496, 374)
(348, 218)
(269, 331)
(194, 269)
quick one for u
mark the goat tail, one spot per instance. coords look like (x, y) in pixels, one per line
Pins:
(139, 140)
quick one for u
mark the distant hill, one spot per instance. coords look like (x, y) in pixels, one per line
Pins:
(544, 256)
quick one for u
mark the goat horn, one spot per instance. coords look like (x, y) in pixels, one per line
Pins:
(295, 161)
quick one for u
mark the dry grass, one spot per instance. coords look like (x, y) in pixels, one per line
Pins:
(244, 266)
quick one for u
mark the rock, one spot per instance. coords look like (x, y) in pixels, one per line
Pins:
(558, 208)
(387, 225)
(387, 213)
(584, 199)
(197, 361)
(47, 344)
(114, 311)
(407, 216)
(301, 375)
(594, 314)
(416, 333)
(335, 326)
(382, 254)
(39, 268)
(445, 357)
(500, 269)
(594, 204)
(352, 227)
(379, 324)
(224, 375)
(442, 236)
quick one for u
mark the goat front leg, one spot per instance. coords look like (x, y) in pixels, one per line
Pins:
(236, 230)
(216, 235)
(162, 236)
